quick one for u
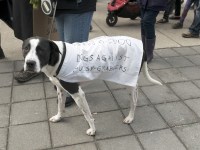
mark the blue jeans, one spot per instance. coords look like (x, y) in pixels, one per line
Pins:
(195, 26)
(74, 27)
(148, 20)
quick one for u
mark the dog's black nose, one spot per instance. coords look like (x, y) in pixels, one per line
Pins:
(30, 64)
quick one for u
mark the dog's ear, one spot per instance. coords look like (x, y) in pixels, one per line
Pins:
(54, 53)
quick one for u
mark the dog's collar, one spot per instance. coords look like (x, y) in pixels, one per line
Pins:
(62, 59)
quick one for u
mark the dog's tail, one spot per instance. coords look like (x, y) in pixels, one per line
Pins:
(147, 75)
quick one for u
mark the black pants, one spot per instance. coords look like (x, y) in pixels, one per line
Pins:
(172, 4)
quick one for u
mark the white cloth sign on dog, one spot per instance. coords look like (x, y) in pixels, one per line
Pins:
(116, 59)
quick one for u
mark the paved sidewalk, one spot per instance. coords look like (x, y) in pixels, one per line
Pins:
(167, 117)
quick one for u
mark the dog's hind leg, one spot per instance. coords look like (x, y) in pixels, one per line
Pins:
(61, 106)
(133, 103)
(84, 107)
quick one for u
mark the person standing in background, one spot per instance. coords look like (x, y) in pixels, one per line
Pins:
(149, 12)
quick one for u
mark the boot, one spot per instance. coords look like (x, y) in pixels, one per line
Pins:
(149, 47)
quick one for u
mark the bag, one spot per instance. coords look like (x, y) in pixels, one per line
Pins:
(49, 7)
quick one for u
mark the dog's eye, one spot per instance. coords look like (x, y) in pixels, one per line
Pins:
(26, 49)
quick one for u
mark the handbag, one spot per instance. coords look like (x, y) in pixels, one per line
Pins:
(49, 7)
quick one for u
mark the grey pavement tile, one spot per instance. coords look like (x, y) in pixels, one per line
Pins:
(4, 115)
(185, 90)
(170, 75)
(19, 65)
(196, 48)
(179, 62)
(6, 66)
(86, 146)
(194, 104)
(28, 92)
(110, 124)
(36, 79)
(160, 140)
(195, 59)
(120, 143)
(50, 90)
(6, 79)
(159, 94)
(190, 135)
(3, 138)
(143, 80)
(185, 50)
(29, 136)
(69, 111)
(5, 95)
(146, 119)
(197, 83)
(192, 73)
(168, 52)
(113, 85)
(159, 64)
(94, 86)
(123, 98)
(176, 113)
(28, 112)
(70, 131)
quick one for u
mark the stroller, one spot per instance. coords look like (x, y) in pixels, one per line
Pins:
(122, 8)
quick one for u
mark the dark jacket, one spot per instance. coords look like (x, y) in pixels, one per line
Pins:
(158, 5)
(5, 12)
(75, 6)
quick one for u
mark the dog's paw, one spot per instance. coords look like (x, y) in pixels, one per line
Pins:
(90, 132)
(128, 120)
(55, 118)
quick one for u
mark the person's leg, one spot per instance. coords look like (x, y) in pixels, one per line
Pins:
(177, 8)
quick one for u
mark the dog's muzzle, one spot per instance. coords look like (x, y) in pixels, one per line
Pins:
(30, 65)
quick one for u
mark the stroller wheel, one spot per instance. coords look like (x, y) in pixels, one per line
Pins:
(111, 20)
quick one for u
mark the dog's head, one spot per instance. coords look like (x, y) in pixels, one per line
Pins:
(39, 52)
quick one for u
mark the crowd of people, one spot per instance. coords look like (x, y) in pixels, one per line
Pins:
(73, 22)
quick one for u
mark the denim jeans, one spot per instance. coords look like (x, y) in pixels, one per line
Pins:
(148, 20)
(74, 27)
(195, 26)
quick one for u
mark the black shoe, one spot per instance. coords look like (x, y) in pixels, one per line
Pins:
(24, 76)
(163, 20)
(177, 25)
(190, 35)
(69, 101)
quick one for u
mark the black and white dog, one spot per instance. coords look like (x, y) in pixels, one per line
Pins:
(117, 59)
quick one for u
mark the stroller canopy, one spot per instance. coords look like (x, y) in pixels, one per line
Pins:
(116, 4)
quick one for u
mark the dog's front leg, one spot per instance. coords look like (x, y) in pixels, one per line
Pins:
(61, 106)
(133, 103)
(84, 107)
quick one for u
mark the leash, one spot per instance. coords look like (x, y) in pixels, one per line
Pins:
(54, 4)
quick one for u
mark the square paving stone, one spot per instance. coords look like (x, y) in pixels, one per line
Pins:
(113, 85)
(5, 95)
(19, 65)
(3, 138)
(197, 83)
(160, 140)
(86, 146)
(186, 90)
(143, 80)
(194, 104)
(120, 143)
(123, 98)
(185, 51)
(6, 66)
(146, 119)
(33, 111)
(110, 124)
(6, 79)
(190, 135)
(50, 90)
(170, 75)
(94, 86)
(29, 136)
(159, 94)
(28, 92)
(194, 58)
(159, 64)
(70, 131)
(179, 62)
(176, 113)
(196, 48)
(190, 72)
(166, 52)
(4, 115)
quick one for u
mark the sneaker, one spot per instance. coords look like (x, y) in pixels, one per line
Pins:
(177, 25)
(190, 35)
(163, 20)
(24, 76)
